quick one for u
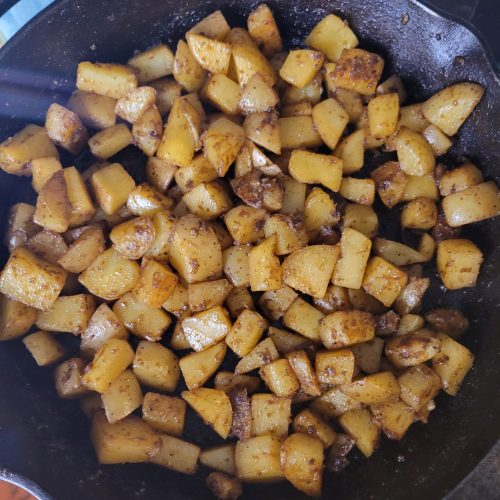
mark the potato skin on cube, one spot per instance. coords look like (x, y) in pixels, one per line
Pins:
(345, 328)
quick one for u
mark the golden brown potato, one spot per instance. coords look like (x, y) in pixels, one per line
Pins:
(153, 63)
(262, 354)
(135, 103)
(287, 342)
(298, 132)
(258, 459)
(301, 66)
(336, 298)
(208, 200)
(344, 328)
(223, 93)
(420, 213)
(362, 218)
(351, 150)
(420, 187)
(133, 238)
(213, 26)
(110, 141)
(313, 168)
(186, 69)
(111, 80)
(396, 253)
(415, 154)
(384, 281)
(274, 303)
(83, 251)
(334, 367)
(167, 90)
(358, 190)
(359, 424)
(226, 381)
(419, 384)
(186, 455)
(122, 397)
(224, 486)
(271, 415)
(383, 113)
(164, 413)
(44, 348)
(198, 367)
(330, 120)
(303, 318)
(264, 266)
(65, 128)
(301, 366)
(15, 318)
(146, 201)
(246, 332)
(211, 55)
(147, 131)
(290, 232)
(280, 378)
(333, 403)
(208, 294)
(411, 350)
(394, 417)
(263, 29)
(307, 422)
(68, 379)
(248, 60)
(390, 182)
(257, 96)
(20, 225)
(439, 142)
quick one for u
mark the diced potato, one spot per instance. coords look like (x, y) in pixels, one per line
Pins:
(458, 263)
(30, 143)
(351, 150)
(110, 141)
(411, 350)
(289, 230)
(383, 113)
(146, 201)
(133, 238)
(358, 70)
(358, 190)
(130, 440)
(439, 142)
(20, 225)
(449, 108)
(140, 318)
(303, 318)
(30, 280)
(390, 182)
(245, 224)
(452, 363)
(331, 36)
(108, 363)
(223, 93)
(310, 93)
(280, 378)
(419, 384)
(393, 84)
(102, 326)
(44, 348)
(246, 332)
(213, 406)
(110, 275)
(208, 294)
(195, 251)
(263, 129)
(319, 211)
(287, 342)
(111, 80)
(68, 379)
(330, 120)
(264, 266)
(178, 340)
(15, 318)
(153, 63)
(249, 60)
(208, 200)
(420, 213)
(47, 245)
(257, 96)
(226, 381)
(122, 397)
(360, 425)
(112, 185)
(68, 314)
(410, 323)
(178, 301)
(351, 101)
(134, 105)
(213, 26)
(200, 170)
(167, 90)
(368, 354)
(258, 459)
(410, 298)
(383, 280)
(198, 367)
(335, 299)
(309, 269)
(91, 404)
(177, 455)
(239, 299)
(354, 252)
(187, 70)
(302, 462)
(394, 417)
(333, 403)
(263, 29)
(309, 423)
(210, 54)
(420, 187)
(235, 265)
(377, 388)
(274, 303)
(415, 154)
(83, 251)
(271, 415)
(313, 168)
(362, 218)
(301, 366)
(303, 108)
(460, 178)
(65, 128)
(449, 321)
(334, 367)
(147, 131)
(294, 196)
(298, 132)
(396, 253)
(361, 300)
(96, 111)
(345, 328)
(472, 204)
(220, 458)
(155, 284)
(301, 66)
(411, 116)
(262, 354)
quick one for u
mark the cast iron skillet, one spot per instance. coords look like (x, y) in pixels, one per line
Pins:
(47, 440)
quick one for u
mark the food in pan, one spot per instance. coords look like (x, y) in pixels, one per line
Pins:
(247, 279)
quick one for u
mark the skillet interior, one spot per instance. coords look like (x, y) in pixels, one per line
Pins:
(46, 439)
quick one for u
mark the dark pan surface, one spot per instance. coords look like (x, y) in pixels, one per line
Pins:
(46, 439)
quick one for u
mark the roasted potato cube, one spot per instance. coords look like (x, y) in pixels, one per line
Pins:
(15, 318)
(213, 26)
(146, 201)
(133, 238)
(220, 458)
(65, 128)
(155, 284)
(68, 314)
(44, 348)
(164, 413)
(331, 36)
(449, 321)
(289, 230)
(129, 440)
(186, 69)
(309, 269)
(264, 266)
(377, 388)
(177, 455)
(96, 111)
(294, 196)
(258, 459)
(134, 104)
(195, 251)
(280, 378)
(298, 132)
(335, 367)
(208, 200)
(319, 211)
(419, 384)
(354, 252)
(249, 60)
(30, 143)
(330, 120)
(390, 182)
(153, 63)
(396, 253)
(458, 263)
(309, 423)
(361, 300)
(208, 294)
(223, 93)
(271, 415)
(68, 378)
(226, 381)
(362, 218)
(147, 131)
(287, 342)
(452, 363)
(360, 425)
(301, 366)
(345, 328)
(198, 367)
(384, 281)
(367, 355)
(411, 297)
(472, 204)
(313, 168)
(110, 141)
(245, 224)
(178, 340)
(30, 280)
(262, 354)
(198, 171)
(303, 318)
(257, 96)
(439, 142)
(274, 303)
(83, 251)
(213, 406)
(351, 150)
(420, 187)
(111, 80)
(122, 397)
(410, 323)
(394, 417)
(301, 66)
(167, 90)
(112, 185)
(212, 55)
(358, 190)
(450, 107)
(412, 349)
(457, 179)
(415, 154)
(246, 332)
(335, 299)
(263, 129)
(178, 301)
(140, 318)
(420, 213)
(303, 108)
(333, 403)
(102, 326)
(383, 113)
(20, 225)
(110, 275)
(47, 245)
(263, 29)
(235, 265)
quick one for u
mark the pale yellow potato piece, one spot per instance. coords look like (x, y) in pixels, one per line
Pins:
(235, 265)
(15, 318)
(271, 415)
(345, 328)
(303, 108)
(206, 328)
(44, 348)
(177, 455)
(427, 247)
(208, 200)
(263, 129)
(420, 213)
(213, 406)
(472, 204)
(42, 170)
(130, 440)
(198, 367)
(186, 69)
(164, 413)
(319, 211)
(108, 363)
(223, 93)
(156, 62)
(211, 55)
(208, 294)
(411, 350)
(122, 397)
(394, 417)
(301, 366)
(147, 131)
(309, 269)
(310, 93)
(81, 206)
(195, 251)
(280, 378)
(65, 128)
(354, 252)
(307, 422)
(303, 318)
(248, 60)
(439, 142)
(96, 111)
(258, 460)
(155, 284)
(164, 224)
(68, 379)
(362, 218)
(264, 266)
(262, 354)
(289, 230)
(167, 91)
(264, 30)
(239, 298)
(111, 80)
(458, 263)
(246, 332)
(294, 196)
(411, 116)
(359, 425)
(220, 458)
(334, 367)
(419, 385)
(368, 355)
(372, 389)
(245, 224)
(302, 462)
(225, 381)
(257, 96)
(383, 113)
(314, 168)
(420, 187)
(450, 107)
(383, 280)
(83, 251)
(358, 190)
(146, 201)
(301, 66)
(133, 238)
(459, 178)
(53, 208)
(330, 120)
(287, 342)
(198, 171)
(333, 403)
(298, 132)
(110, 141)
(178, 301)
(331, 36)
(415, 154)
(351, 150)
(396, 253)
(274, 303)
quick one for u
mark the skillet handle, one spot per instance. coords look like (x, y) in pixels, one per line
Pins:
(5, 5)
